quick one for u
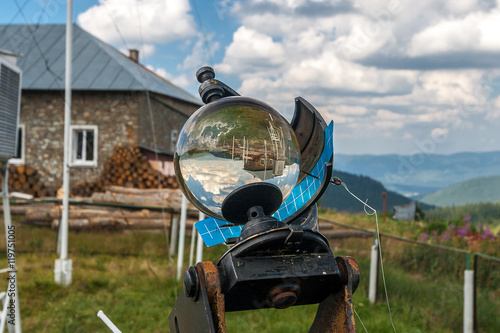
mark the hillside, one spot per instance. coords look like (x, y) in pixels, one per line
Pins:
(482, 189)
(420, 174)
(336, 197)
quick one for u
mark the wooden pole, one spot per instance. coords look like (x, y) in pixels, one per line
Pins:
(384, 197)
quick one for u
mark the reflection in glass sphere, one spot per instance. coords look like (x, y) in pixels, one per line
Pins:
(232, 142)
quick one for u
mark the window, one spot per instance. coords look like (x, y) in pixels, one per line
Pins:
(84, 145)
(19, 157)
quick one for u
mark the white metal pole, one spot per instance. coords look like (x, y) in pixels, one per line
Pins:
(4, 311)
(182, 234)
(191, 246)
(12, 279)
(372, 291)
(199, 245)
(173, 235)
(468, 301)
(63, 265)
(108, 322)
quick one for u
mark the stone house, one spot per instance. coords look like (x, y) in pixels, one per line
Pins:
(115, 101)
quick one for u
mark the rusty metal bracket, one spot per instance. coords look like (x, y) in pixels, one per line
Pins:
(336, 313)
(200, 306)
(192, 314)
(211, 281)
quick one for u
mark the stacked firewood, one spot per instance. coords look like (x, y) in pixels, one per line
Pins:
(127, 167)
(25, 179)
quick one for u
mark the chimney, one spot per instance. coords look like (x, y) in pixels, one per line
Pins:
(134, 55)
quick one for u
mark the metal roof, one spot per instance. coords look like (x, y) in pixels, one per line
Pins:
(96, 65)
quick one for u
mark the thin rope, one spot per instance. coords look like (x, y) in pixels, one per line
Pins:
(153, 133)
(204, 34)
(374, 212)
(34, 40)
(115, 25)
(362, 324)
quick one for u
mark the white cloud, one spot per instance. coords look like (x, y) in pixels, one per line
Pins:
(439, 132)
(475, 32)
(200, 56)
(139, 22)
(350, 110)
(251, 51)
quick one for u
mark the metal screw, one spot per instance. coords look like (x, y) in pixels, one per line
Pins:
(284, 300)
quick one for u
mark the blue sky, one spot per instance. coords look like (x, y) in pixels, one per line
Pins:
(396, 76)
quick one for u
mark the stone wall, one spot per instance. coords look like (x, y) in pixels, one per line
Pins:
(123, 118)
(168, 115)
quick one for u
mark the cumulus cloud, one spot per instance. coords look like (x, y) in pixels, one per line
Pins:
(474, 32)
(134, 23)
(202, 53)
(251, 51)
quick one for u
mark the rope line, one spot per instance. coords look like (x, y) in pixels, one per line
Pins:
(374, 212)
(362, 324)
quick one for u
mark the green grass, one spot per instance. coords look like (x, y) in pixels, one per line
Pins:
(129, 276)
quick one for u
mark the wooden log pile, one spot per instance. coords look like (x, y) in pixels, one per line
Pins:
(85, 215)
(25, 179)
(91, 217)
(171, 198)
(127, 167)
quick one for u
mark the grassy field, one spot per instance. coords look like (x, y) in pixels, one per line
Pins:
(129, 276)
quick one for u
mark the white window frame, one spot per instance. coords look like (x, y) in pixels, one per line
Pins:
(19, 161)
(82, 162)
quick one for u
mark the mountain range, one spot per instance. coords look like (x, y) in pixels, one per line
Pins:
(473, 191)
(366, 189)
(417, 175)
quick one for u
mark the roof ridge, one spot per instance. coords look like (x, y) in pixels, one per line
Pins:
(97, 65)
(134, 65)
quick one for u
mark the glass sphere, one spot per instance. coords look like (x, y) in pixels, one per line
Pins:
(230, 143)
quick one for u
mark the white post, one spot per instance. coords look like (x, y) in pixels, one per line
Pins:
(372, 285)
(3, 316)
(191, 246)
(182, 234)
(199, 245)
(173, 235)
(372, 291)
(468, 301)
(63, 265)
(12, 279)
(108, 322)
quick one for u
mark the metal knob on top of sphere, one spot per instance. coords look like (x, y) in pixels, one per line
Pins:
(239, 161)
(210, 89)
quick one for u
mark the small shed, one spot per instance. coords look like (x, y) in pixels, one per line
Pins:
(405, 212)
